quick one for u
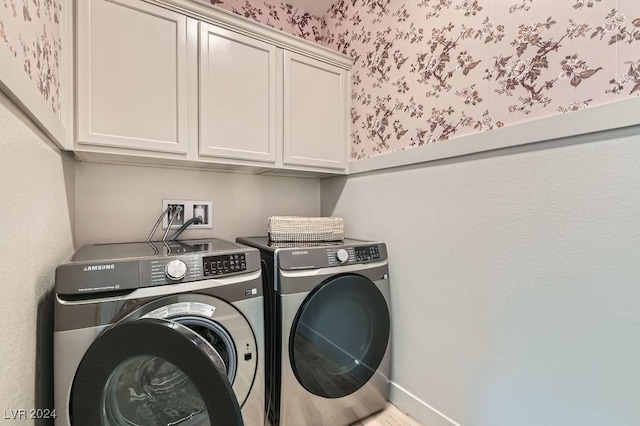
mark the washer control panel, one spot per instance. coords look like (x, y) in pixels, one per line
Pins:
(89, 277)
(224, 264)
(169, 271)
(175, 270)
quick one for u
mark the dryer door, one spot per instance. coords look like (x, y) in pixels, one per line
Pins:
(152, 372)
(339, 336)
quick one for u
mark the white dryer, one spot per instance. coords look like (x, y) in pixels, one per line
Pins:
(160, 334)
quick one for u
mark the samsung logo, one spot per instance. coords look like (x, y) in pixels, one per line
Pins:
(98, 267)
(298, 252)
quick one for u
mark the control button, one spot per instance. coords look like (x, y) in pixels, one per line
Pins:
(342, 255)
(175, 270)
(247, 356)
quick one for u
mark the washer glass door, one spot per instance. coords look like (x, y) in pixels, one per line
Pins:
(339, 336)
(152, 372)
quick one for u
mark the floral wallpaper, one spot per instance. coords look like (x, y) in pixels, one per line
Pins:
(275, 14)
(30, 29)
(425, 71)
(428, 71)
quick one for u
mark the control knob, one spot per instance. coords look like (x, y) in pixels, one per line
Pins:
(175, 270)
(342, 255)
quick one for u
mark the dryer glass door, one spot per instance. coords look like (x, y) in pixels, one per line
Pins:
(339, 336)
(152, 372)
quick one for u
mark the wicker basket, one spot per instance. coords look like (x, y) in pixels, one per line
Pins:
(305, 229)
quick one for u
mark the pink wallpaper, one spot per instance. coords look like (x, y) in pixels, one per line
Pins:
(275, 14)
(30, 29)
(432, 70)
(425, 71)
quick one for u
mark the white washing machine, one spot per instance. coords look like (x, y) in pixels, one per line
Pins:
(328, 338)
(160, 334)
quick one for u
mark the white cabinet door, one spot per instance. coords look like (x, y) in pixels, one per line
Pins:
(132, 82)
(237, 96)
(315, 99)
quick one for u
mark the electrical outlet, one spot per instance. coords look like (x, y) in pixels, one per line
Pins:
(190, 209)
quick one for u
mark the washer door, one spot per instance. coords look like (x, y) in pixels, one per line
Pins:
(339, 336)
(152, 372)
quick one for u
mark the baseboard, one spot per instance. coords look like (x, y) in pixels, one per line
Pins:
(418, 409)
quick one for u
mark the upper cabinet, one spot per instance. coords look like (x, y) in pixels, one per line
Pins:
(237, 96)
(182, 83)
(315, 99)
(132, 76)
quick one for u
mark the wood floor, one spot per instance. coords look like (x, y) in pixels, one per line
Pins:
(390, 416)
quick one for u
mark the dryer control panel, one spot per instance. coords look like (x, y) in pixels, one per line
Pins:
(333, 256)
(367, 253)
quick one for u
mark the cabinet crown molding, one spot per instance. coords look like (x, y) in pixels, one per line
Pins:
(257, 30)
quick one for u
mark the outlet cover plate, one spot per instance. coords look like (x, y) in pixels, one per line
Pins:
(190, 208)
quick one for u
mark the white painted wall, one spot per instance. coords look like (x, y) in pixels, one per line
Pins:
(515, 281)
(37, 188)
(122, 203)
